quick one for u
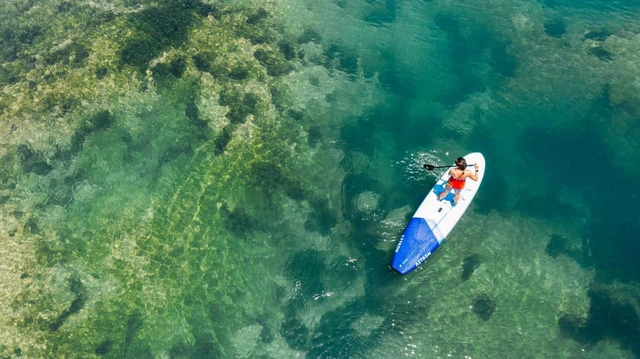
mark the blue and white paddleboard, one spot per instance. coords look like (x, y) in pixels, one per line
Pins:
(434, 219)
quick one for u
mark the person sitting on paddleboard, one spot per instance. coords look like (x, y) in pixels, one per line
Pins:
(457, 180)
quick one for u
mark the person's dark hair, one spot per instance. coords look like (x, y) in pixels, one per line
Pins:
(461, 163)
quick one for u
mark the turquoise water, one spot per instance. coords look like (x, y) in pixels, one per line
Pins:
(200, 179)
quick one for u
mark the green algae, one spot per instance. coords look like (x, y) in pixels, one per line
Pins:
(274, 61)
(136, 254)
(160, 27)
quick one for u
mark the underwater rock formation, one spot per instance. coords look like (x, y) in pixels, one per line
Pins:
(555, 28)
(559, 245)
(367, 202)
(483, 306)
(144, 144)
(469, 265)
(611, 315)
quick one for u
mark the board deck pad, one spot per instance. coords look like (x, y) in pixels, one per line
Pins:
(435, 219)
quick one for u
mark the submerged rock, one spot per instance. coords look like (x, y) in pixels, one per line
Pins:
(469, 265)
(367, 202)
(246, 340)
(309, 35)
(601, 53)
(483, 306)
(613, 315)
(33, 161)
(597, 35)
(559, 245)
(367, 324)
(555, 28)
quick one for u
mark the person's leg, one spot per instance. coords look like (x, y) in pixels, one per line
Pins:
(456, 196)
(444, 193)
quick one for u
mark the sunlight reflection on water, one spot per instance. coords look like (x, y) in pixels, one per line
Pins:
(413, 164)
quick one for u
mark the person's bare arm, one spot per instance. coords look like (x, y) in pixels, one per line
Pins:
(474, 175)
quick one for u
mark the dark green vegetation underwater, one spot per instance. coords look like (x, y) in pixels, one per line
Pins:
(142, 147)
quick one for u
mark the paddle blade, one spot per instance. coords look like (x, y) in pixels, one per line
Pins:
(428, 167)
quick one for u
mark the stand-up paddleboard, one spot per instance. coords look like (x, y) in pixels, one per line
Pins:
(434, 219)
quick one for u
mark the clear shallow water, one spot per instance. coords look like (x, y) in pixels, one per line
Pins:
(171, 191)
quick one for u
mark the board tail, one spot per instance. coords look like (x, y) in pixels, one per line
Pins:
(417, 243)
